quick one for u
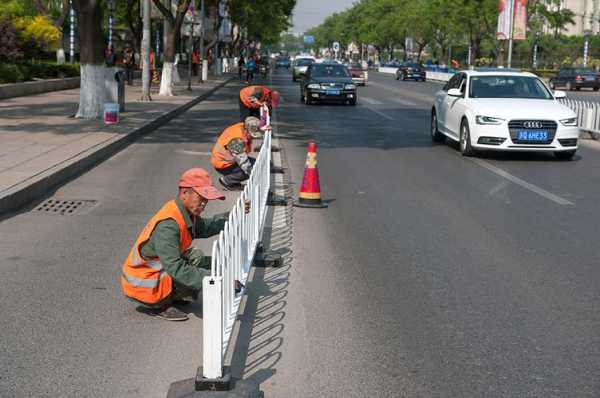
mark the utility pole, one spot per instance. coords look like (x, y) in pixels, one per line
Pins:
(511, 16)
(146, 51)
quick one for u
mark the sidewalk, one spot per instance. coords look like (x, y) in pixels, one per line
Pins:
(43, 145)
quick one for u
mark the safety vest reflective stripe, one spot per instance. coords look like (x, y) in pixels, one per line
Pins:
(149, 283)
(155, 264)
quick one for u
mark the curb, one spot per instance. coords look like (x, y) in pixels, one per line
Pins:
(41, 184)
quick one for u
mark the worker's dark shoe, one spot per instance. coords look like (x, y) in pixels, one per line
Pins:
(238, 286)
(229, 187)
(182, 302)
(171, 314)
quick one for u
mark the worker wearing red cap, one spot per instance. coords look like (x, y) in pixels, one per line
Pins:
(252, 97)
(162, 269)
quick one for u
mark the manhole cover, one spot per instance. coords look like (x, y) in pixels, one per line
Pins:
(65, 207)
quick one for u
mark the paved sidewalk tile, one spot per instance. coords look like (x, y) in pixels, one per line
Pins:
(39, 132)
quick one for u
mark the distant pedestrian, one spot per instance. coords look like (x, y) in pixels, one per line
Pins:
(162, 269)
(195, 62)
(110, 57)
(129, 63)
(240, 65)
(230, 153)
(251, 68)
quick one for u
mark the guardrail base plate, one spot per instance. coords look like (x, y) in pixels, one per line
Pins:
(239, 388)
(221, 384)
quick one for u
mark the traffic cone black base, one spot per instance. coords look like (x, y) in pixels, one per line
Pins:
(310, 203)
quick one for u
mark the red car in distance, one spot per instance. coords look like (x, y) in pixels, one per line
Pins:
(358, 73)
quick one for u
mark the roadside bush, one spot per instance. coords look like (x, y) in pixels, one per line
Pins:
(10, 73)
(14, 73)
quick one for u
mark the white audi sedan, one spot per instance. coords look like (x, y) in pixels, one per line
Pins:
(506, 111)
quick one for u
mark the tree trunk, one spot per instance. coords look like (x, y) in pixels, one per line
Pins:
(93, 90)
(166, 81)
(146, 52)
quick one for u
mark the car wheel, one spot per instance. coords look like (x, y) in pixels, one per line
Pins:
(436, 136)
(465, 139)
(294, 78)
(569, 86)
(397, 76)
(596, 88)
(577, 88)
(552, 86)
(352, 102)
(564, 155)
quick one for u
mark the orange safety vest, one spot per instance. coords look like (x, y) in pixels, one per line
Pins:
(248, 92)
(221, 157)
(145, 280)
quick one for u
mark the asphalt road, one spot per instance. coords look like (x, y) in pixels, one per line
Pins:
(66, 329)
(430, 274)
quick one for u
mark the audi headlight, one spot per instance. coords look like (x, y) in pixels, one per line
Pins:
(571, 122)
(314, 86)
(488, 120)
(350, 86)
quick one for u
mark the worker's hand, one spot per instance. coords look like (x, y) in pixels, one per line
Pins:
(247, 207)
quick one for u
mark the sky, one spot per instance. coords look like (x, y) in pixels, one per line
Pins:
(309, 13)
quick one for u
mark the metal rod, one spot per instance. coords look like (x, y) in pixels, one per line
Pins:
(511, 9)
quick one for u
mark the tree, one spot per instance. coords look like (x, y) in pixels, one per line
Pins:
(172, 34)
(92, 93)
(557, 17)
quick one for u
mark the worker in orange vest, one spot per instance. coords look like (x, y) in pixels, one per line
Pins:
(230, 153)
(162, 270)
(252, 97)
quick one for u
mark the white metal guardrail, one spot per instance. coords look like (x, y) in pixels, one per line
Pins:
(232, 256)
(588, 113)
(439, 76)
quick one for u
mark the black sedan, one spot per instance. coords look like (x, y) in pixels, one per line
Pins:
(328, 82)
(576, 78)
(411, 70)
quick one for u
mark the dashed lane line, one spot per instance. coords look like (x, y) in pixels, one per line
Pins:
(371, 101)
(403, 102)
(531, 187)
(388, 117)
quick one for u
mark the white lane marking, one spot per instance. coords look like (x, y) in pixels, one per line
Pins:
(186, 152)
(371, 101)
(405, 90)
(522, 183)
(403, 101)
(388, 117)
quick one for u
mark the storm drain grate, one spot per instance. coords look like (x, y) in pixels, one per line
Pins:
(65, 207)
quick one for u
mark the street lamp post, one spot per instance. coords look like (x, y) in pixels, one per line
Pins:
(586, 47)
(535, 50)
(111, 10)
(71, 32)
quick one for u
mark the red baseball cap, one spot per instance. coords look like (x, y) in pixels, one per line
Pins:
(199, 180)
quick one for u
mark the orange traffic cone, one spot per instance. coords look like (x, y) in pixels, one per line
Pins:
(310, 190)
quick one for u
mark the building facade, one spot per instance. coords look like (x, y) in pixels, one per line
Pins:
(587, 16)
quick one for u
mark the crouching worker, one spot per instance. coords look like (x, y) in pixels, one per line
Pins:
(230, 153)
(162, 269)
(252, 97)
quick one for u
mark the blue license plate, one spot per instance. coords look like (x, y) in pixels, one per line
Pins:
(532, 135)
(332, 92)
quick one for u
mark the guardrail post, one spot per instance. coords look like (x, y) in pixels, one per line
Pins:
(212, 375)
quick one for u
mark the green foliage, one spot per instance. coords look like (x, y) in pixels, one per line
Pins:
(263, 19)
(10, 73)
(13, 73)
